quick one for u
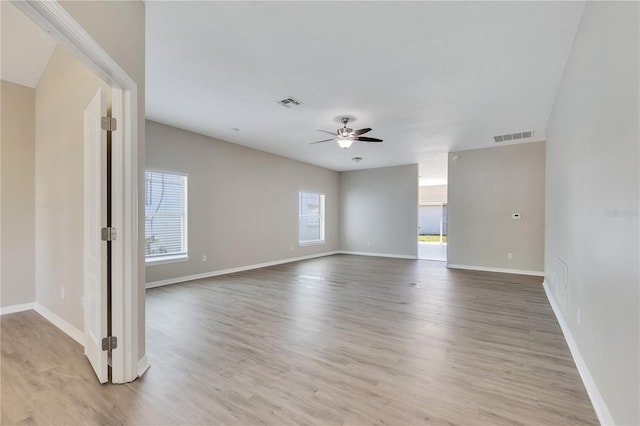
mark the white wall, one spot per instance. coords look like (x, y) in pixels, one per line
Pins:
(62, 94)
(592, 203)
(485, 187)
(379, 211)
(119, 28)
(433, 193)
(17, 280)
(243, 203)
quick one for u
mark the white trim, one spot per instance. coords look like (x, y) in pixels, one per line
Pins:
(63, 325)
(183, 256)
(53, 18)
(166, 171)
(16, 308)
(233, 270)
(161, 260)
(118, 220)
(322, 238)
(395, 256)
(310, 243)
(130, 253)
(599, 405)
(143, 365)
(501, 270)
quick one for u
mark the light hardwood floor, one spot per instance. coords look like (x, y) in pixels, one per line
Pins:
(335, 340)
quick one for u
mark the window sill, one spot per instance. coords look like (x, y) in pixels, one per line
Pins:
(160, 260)
(310, 243)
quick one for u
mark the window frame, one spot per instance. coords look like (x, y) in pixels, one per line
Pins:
(173, 257)
(321, 216)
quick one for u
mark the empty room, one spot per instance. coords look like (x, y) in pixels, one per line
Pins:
(321, 213)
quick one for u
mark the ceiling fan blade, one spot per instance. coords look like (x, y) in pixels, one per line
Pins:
(326, 140)
(326, 131)
(366, 139)
(361, 131)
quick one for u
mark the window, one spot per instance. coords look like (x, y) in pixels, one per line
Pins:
(165, 211)
(311, 223)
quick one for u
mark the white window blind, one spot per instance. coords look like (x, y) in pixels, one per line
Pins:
(311, 223)
(165, 215)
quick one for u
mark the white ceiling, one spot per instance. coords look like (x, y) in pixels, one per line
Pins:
(428, 77)
(25, 47)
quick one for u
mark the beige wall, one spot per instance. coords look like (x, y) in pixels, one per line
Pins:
(64, 91)
(243, 203)
(485, 187)
(18, 192)
(379, 211)
(119, 27)
(433, 194)
(592, 200)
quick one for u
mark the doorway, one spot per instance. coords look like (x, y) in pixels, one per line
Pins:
(59, 177)
(432, 223)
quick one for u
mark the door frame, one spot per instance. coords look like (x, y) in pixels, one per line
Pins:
(53, 18)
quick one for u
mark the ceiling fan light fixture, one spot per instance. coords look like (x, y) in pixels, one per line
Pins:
(345, 142)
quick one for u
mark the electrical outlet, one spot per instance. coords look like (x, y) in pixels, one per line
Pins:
(204, 257)
(509, 256)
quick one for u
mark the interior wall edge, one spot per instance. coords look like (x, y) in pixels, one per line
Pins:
(598, 402)
(143, 365)
(6, 310)
(63, 325)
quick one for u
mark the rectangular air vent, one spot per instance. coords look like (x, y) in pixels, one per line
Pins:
(289, 102)
(513, 136)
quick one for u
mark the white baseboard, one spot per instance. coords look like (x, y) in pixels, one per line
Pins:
(63, 325)
(502, 270)
(599, 405)
(143, 365)
(363, 253)
(16, 308)
(233, 270)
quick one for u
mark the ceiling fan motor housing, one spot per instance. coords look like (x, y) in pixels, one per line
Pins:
(344, 132)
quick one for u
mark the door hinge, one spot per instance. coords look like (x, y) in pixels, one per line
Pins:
(108, 234)
(109, 124)
(109, 343)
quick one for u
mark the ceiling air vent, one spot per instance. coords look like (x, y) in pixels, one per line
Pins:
(513, 136)
(289, 102)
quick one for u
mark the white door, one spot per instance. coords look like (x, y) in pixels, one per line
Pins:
(95, 250)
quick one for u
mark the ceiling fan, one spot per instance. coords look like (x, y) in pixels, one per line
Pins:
(346, 136)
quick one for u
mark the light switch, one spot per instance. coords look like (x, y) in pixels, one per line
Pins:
(516, 216)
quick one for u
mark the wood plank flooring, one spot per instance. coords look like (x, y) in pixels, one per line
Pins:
(329, 341)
